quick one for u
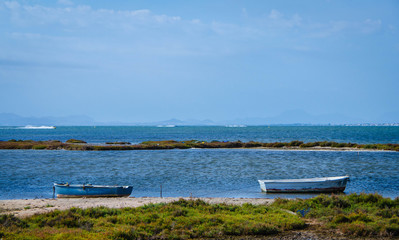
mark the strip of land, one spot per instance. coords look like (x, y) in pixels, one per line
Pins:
(80, 145)
(28, 207)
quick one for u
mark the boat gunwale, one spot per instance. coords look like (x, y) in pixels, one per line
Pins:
(92, 196)
(305, 180)
(90, 186)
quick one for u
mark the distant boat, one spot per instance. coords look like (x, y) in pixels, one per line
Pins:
(305, 185)
(166, 126)
(236, 126)
(38, 127)
(90, 191)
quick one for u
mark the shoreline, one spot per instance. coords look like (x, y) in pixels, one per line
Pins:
(28, 207)
(326, 149)
(309, 149)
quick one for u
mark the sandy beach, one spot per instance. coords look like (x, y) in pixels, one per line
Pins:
(28, 207)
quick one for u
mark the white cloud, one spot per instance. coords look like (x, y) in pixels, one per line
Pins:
(196, 21)
(324, 30)
(244, 12)
(83, 16)
(235, 31)
(65, 2)
(274, 14)
(166, 19)
(23, 36)
(12, 5)
(277, 19)
(370, 25)
(85, 29)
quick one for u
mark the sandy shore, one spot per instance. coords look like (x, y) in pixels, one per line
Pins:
(28, 207)
(318, 148)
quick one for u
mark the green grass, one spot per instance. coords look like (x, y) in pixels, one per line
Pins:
(359, 215)
(75, 141)
(178, 220)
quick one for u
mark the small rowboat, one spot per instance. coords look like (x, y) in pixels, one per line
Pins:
(90, 191)
(305, 185)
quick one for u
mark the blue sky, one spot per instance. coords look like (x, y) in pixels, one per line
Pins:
(135, 61)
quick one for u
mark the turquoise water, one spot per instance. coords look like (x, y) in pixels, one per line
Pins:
(197, 172)
(251, 133)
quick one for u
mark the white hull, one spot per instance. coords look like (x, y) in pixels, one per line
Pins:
(39, 127)
(305, 185)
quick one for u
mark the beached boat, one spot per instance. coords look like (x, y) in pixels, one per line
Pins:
(77, 191)
(305, 185)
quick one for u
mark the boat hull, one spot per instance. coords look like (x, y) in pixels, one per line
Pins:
(310, 185)
(91, 191)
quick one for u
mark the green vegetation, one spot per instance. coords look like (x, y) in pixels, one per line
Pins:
(30, 144)
(354, 215)
(178, 220)
(120, 143)
(75, 141)
(73, 144)
(359, 215)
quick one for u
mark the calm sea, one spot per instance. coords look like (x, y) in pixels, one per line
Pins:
(197, 172)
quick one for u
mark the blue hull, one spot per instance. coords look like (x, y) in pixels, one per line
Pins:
(77, 191)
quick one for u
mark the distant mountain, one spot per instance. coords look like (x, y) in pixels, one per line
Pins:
(10, 119)
(299, 117)
(292, 117)
(177, 122)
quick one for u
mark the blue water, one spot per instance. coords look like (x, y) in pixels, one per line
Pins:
(245, 134)
(197, 172)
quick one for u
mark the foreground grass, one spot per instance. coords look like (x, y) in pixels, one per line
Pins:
(178, 220)
(74, 144)
(359, 215)
(355, 215)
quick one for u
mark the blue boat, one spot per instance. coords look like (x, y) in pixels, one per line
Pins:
(90, 191)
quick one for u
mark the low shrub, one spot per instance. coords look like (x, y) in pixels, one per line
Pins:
(73, 144)
(295, 143)
(39, 147)
(75, 141)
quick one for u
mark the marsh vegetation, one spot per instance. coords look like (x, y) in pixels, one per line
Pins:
(74, 144)
(354, 215)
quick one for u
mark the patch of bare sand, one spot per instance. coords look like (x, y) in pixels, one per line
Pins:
(28, 207)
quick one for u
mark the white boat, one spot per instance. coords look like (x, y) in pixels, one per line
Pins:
(305, 185)
(38, 127)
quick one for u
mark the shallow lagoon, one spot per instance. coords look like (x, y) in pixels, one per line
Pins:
(195, 172)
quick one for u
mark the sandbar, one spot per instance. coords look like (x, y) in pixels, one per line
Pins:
(27, 207)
